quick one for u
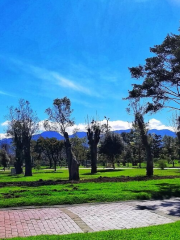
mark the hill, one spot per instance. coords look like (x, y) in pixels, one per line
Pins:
(51, 134)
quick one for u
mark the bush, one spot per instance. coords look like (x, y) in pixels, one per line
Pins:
(162, 164)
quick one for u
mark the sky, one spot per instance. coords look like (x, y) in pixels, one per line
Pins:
(80, 49)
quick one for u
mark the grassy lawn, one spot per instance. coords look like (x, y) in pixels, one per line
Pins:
(62, 174)
(163, 232)
(88, 192)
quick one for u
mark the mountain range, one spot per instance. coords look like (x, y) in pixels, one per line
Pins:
(52, 134)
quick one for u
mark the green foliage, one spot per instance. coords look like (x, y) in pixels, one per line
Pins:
(111, 146)
(4, 158)
(79, 147)
(49, 148)
(162, 164)
(59, 114)
(161, 75)
(22, 124)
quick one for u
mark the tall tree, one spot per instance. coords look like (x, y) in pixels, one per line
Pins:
(59, 120)
(142, 127)
(93, 135)
(139, 112)
(22, 124)
(161, 84)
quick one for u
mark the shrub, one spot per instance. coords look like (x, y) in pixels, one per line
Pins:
(162, 164)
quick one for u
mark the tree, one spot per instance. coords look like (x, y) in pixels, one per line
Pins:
(156, 145)
(22, 124)
(137, 144)
(161, 76)
(142, 127)
(59, 120)
(111, 146)
(139, 112)
(4, 158)
(169, 146)
(51, 148)
(93, 135)
(79, 146)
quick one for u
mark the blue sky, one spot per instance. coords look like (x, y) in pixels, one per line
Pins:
(80, 49)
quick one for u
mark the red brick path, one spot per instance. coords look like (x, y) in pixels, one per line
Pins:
(31, 222)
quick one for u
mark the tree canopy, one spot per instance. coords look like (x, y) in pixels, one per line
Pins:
(161, 74)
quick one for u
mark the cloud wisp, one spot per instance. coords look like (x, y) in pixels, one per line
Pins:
(5, 93)
(54, 77)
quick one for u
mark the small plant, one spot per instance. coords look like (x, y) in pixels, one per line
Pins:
(162, 164)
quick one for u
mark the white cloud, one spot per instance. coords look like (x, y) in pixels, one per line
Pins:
(156, 124)
(3, 135)
(115, 125)
(5, 124)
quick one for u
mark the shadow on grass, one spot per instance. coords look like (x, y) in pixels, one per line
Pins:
(46, 172)
(165, 191)
(104, 171)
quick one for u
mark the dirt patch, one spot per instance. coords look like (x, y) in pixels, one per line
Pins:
(96, 180)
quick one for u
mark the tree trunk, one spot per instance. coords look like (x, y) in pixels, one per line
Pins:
(93, 139)
(149, 169)
(27, 157)
(19, 155)
(18, 167)
(55, 166)
(113, 165)
(93, 158)
(73, 164)
(50, 163)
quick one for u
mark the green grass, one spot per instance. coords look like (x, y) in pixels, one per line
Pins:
(161, 232)
(88, 192)
(62, 174)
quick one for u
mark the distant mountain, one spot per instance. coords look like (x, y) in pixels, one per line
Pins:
(162, 132)
(120, 131)
(51, 134)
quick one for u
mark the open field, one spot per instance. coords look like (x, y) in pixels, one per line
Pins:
(167, 231)
(73, 193)
(62, 174)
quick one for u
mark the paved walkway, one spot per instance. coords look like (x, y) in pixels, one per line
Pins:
(87, 217)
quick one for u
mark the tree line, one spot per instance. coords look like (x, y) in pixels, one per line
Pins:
(160, 87)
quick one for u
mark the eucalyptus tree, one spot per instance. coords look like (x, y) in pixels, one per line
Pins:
(93, 135)
(22, 124)
(59, 119)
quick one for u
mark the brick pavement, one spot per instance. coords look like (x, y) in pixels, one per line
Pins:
(87, 217)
